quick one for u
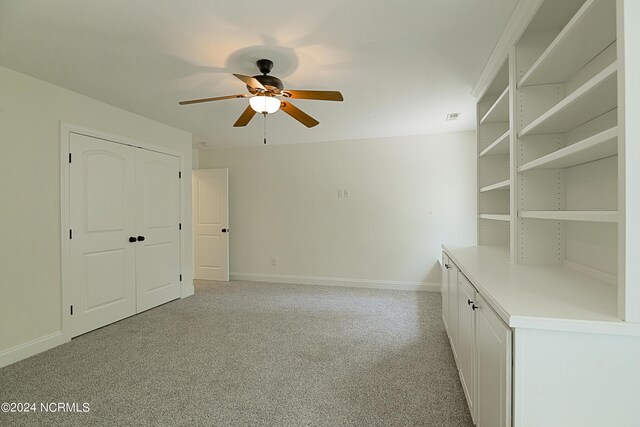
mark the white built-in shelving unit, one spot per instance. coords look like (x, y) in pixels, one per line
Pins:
(499, 110)
(548, 141)
(596, 147)
(502, 185)
(566, 144)
(499, 146)
(494, 170)
(588, 216)
(558, 128)
(595, 97)
(495, 217)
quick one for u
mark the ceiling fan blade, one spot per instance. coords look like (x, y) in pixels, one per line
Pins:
(321, 95)
(219, 98)
(245, 117)
(251, 82)
(298, 114)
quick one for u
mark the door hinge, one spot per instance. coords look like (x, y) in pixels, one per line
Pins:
(70, 234)
(179, 174)
(181, 277)
(180, 226)
(71, 310)
(69, 157)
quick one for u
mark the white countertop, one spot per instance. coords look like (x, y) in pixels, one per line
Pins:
(541, 296)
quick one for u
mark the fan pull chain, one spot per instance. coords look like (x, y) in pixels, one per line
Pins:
(265, 128)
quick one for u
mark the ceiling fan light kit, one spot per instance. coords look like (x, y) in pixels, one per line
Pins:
(267, 92)
(264, 104)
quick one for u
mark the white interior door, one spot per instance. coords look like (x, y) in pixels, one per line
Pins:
(102, 198)
(157, 225)
(211, 224)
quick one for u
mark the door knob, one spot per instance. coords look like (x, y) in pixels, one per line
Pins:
(132, 239)
(140, 238)
(224, 230)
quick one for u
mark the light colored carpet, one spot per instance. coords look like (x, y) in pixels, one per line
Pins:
(243, 353)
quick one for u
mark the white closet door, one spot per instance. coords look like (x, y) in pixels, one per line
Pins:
(102, 198)
(210, 224)
(157, 221)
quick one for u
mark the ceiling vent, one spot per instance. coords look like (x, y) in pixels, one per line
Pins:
(452, 116)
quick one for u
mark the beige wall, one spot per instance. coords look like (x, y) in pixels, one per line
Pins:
(30, 274)
(407, 196)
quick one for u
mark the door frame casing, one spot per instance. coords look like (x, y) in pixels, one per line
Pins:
(66, 129)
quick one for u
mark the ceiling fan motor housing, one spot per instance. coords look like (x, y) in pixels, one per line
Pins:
(272, 83)
(264, 65)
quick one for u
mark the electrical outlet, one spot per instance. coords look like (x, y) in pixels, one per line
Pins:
(274, 261)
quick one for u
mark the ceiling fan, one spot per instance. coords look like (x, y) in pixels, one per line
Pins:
(265, 93)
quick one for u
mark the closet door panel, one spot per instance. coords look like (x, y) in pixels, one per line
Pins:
(102, 259)
(157, 222)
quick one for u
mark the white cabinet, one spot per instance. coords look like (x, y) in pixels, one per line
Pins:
(444, 290)
(493, 363)
(548, 350)
(453, 308)
(482, 346)
(467, 340)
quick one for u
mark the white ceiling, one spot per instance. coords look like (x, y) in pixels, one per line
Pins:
(401, 65)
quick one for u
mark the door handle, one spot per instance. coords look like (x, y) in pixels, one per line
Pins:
(140, 238)
(132, 239)
(224, 230)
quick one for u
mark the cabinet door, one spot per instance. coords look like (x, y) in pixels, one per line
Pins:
(494, 368)
(467, 339)
(453, 309)
(444, 290)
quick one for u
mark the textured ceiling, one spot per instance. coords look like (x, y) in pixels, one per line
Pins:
(401, 65)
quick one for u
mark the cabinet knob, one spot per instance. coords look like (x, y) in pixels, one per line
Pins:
(224, 230)
(140, 238)
(469, 302)
(447, 266)
(473, 307)
(132, 239)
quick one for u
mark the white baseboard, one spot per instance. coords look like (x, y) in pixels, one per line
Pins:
(187, 291)
(31, 348)
(338, 281)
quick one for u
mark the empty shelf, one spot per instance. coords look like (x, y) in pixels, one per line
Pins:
(588, 33)
(595, 97)
(496, 217)
(599, 146)
(499, 146)
(591, 216)
(499, 111)
(502, 185)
